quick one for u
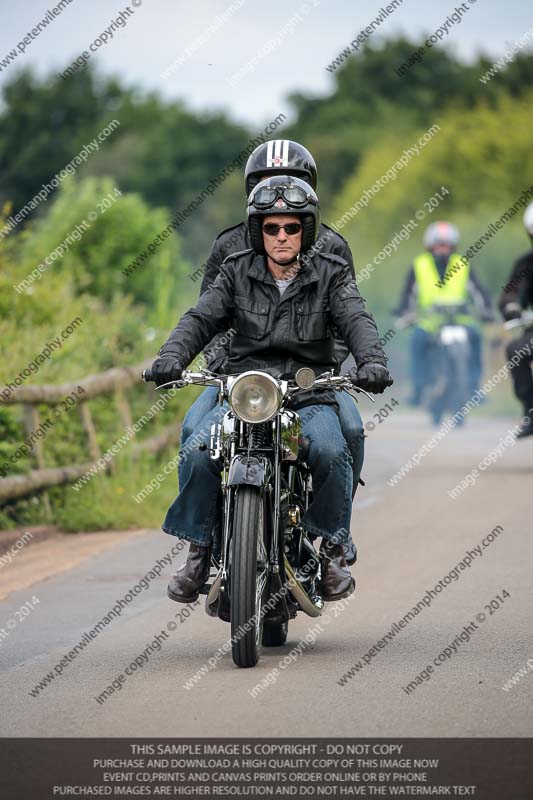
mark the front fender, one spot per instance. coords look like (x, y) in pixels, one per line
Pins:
(248, 470)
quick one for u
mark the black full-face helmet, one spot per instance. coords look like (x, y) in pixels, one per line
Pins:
(283, 194)
(279, 157)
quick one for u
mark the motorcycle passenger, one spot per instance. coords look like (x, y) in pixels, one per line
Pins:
(282, 309)
(278, 157)
(432, 281)
(517, 295)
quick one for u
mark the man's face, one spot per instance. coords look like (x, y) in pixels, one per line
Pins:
(441, 250)
(281, 247)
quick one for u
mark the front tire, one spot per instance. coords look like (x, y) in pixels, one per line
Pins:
(248, 575)
(459, 370)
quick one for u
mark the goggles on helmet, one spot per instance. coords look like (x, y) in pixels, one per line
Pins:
(292, 196)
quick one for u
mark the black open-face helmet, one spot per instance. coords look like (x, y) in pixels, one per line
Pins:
(283, 194)
(279, 157)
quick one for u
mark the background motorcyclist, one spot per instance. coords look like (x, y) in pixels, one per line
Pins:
(278, 328)
(516, 296)
(278, 157)
(432, 280)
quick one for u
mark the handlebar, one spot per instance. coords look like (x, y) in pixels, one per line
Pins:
(449, 311)
(206, 378)
(523, 321)
(340, 382)
(188, 377)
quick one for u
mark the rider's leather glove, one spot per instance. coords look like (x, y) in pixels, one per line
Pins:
(512, 311)
(166, 369)
(371, 377)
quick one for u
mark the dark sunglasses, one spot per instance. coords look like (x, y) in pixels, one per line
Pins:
(291, 229)
(294, 196)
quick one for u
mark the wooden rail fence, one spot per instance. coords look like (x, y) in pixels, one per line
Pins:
(114, 381)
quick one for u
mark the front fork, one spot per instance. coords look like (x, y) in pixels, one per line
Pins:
(240, 469)
(265, 472)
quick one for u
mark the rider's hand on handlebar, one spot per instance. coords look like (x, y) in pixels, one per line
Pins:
(166, 369)
(371, 377)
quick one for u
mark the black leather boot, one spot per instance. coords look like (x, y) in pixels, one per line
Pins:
(184, 586)
(336, 580)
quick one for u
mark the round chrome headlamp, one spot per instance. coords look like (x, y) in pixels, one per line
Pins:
(255, 397)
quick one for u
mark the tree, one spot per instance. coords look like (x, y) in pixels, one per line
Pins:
(482, 161)
(370, 99)
(160, 150)
(45, 123)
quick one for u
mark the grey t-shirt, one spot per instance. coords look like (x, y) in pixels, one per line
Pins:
(283, 283)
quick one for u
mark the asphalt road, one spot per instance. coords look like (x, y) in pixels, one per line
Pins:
(410, 536)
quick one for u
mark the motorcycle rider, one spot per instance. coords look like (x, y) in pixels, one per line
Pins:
(431, 280)
(516, 296)
(278, 157)
(282, 309)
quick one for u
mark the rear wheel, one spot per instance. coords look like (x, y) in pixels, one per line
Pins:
(275, 635)
(248, 575)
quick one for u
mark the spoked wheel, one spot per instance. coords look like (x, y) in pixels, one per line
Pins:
(248, 575)
(275, 635)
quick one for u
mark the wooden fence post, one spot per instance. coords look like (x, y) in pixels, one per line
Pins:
(32, 422)
(88, 427)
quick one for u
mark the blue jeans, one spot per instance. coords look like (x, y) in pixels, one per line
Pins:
(353, 431)
(349, 418)
(193, 513)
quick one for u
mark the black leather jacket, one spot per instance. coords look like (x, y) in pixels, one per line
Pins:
(280, 334)
(235, 240)
(519, 287)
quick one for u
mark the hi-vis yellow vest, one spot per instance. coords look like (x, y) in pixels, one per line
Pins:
(450, 290)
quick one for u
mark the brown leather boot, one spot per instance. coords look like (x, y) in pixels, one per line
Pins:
(337, 582)
(184, 586)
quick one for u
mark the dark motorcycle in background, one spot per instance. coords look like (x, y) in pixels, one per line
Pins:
(266, 567)
(448, 388)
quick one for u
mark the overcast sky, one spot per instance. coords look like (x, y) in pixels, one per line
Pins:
(225, 35)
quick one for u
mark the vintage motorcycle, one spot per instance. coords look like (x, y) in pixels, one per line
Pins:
(449, 387)
(266, 568)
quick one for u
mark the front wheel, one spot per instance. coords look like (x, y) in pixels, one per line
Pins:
(459, 358)
(248, 575)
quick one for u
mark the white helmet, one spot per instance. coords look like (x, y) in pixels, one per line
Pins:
(528, 219)
(441, 233)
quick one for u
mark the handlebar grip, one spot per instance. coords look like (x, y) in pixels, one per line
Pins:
(148, 376)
